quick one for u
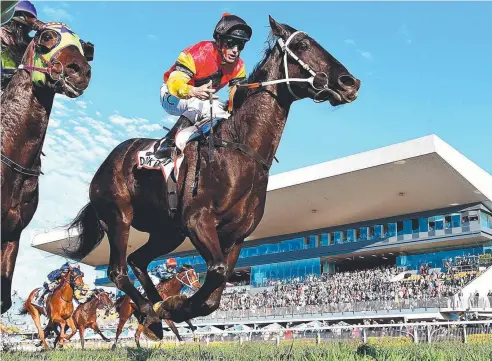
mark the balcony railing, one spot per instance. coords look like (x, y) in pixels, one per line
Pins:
(483, 303)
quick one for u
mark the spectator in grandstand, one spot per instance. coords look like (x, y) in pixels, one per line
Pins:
(343, 289)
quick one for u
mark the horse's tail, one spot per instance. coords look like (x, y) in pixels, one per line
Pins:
(91, 232)
(23, 309)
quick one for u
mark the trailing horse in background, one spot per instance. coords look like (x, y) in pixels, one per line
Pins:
(85, 316)
(56, 61)
(185, 276)
(59, 306)
(220, 201)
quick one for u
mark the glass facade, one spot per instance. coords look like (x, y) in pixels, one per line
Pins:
(485, 220)
(435, 259)
(375, 231)
(264, 274)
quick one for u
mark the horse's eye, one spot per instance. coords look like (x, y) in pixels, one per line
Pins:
(303, 46)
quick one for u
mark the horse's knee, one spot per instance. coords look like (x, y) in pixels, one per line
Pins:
(219, 269)
(118, 277)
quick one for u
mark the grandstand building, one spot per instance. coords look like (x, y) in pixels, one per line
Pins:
(415, 204)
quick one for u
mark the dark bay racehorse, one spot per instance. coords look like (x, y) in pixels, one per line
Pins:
(59, 306)
(186, 276)
(14, 44)
(54, 62)
(220, 202)
(85, 316)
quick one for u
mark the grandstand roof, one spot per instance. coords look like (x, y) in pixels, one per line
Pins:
(414, 176)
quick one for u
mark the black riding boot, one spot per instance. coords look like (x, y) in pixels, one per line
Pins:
(167, 145)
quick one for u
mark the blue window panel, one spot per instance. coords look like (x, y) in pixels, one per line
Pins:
(391, 230)
(378, 232)
(455, 220)
(312, 241)
(423, 224)
(485, 219)
(337, 237)
(407, 226)
(350, 235)
(324, 240)
(363, 234)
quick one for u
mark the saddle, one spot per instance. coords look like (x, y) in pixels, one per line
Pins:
(170, 166)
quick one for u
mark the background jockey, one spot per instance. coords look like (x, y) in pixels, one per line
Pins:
(15, 32)
(54, 278)
(166, 271)
(82, 295)
(201, 70)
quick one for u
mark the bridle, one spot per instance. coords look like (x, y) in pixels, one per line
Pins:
(107, 306)
(284, 46)
(48, 66)
(186, 277)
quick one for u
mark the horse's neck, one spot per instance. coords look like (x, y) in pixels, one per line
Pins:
(65, 290)
(170, 287)
(25, 116)
(262, 117)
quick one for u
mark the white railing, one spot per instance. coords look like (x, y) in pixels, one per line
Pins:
(452, 303)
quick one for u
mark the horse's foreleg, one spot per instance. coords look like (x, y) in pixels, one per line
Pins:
(81, 334)
(10, 248)
(61, 322)
(138, 333)
(192, 328)
(123, 318)
(203, 235)
(212, 302)
(173, 328)
(73, 327)
(118, 231)
(157, 245)
(98, 331)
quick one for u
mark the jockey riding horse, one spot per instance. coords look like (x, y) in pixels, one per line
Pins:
(201, 70)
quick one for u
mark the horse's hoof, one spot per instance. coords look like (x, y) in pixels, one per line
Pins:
(156, 329)
(113, 347)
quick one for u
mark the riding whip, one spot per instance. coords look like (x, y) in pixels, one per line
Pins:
(211, 135)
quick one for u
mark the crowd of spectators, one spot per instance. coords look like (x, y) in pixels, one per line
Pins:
(375, 284)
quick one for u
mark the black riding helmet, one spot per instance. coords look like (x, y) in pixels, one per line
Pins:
(232, 26)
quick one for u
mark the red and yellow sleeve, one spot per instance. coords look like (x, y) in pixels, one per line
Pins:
(185, 69)
(241, 75)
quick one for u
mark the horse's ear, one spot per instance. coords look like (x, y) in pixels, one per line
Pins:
(278, 29)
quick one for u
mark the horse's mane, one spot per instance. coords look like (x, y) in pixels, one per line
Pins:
(258, 73)
(16, 51)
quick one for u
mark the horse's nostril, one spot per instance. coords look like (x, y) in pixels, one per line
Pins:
(347, 81)
(89, 73)
(73, 68)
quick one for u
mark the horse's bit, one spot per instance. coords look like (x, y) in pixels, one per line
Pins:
(187, 277)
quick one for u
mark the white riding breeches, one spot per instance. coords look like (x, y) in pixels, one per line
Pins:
(190, 108)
